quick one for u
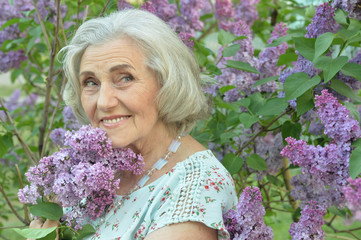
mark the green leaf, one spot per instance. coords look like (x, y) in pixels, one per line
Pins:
(232, 163)
(341, 18)
(330, 66)
(335, 66)
(6, 143)
(305, 46)
(355, 163)
(322, 44)
(241, 66)
(273, 106)
(256, 162)
(353, 110)
(231, 50)
(247, 119)
(213, 69)
(305, 102)
(34, 232)
(274, 180)
(9, 22)
(287, 58)
(298, 83)
(265, 80)
(225, 37)
(226, 88)
(336, 211)
(280, 40)
(85, 231)
(256, 102)
(344, 89)
(50, 236)
(245, 102)
(352, 70)
(48, 210)
(290, 129)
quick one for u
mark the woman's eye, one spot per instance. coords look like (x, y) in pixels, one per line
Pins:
(127, 78)
(89, 83)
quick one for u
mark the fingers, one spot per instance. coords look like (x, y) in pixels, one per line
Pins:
(50, 223)
(37, 223)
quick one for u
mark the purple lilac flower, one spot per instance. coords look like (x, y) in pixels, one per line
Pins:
(352, 7)
(246, 220)
(324, 169)
(246, 10)
(268, 58)
(82, 175)
(269, 148)
(69, 119)
(191, 10)
(224, 13)
(148, 6)
(322, 22)
(186, 38)
(10, 59)
(309, 227)
(164, 9)
(57, 136)
(353, 197)
(336, 118)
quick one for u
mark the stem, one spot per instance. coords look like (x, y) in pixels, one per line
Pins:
(49, 82)
(42, 25)
(208, 31)
(349, 231)
(104, 8)
(10, 205)
(287, 179)
(263, 129)
(26, 148)
(338, 237)
(46, 140)
(26, 212)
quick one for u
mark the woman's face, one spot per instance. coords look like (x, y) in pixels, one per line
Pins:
(118, 92)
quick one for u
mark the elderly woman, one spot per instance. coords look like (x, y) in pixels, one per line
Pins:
(131, 75)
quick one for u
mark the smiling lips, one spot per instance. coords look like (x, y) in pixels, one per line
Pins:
(115, 120)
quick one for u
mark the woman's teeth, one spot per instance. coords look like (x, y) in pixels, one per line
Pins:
(115, 120)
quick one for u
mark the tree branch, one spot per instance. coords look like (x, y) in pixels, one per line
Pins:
(49, 82)
(11, 206)
(26, 148)
(26, 212)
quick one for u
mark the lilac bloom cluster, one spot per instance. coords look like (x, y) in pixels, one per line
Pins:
(82, 176)
(70, 122)
(246, 220)
(322, 22)
(309, 227)
(247, 11)
(47, 11)
(353, 197)
(268, 58)
(12, 58)
(324, 169)
(15, 102)
(352, 7)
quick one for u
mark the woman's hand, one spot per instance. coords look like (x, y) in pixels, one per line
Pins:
(38, 223)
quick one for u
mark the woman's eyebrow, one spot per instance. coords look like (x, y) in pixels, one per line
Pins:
(86, 73)
(121, 67)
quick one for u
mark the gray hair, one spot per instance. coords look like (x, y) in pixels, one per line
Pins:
(181, 101)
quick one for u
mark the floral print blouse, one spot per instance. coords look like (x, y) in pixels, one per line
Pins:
(197, 189)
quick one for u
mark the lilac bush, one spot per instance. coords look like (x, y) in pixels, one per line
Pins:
(246, 220)
(82, 175)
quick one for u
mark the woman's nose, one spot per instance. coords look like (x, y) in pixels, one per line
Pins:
(107, 97)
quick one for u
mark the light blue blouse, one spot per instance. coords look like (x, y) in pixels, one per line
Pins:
(197, 189)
